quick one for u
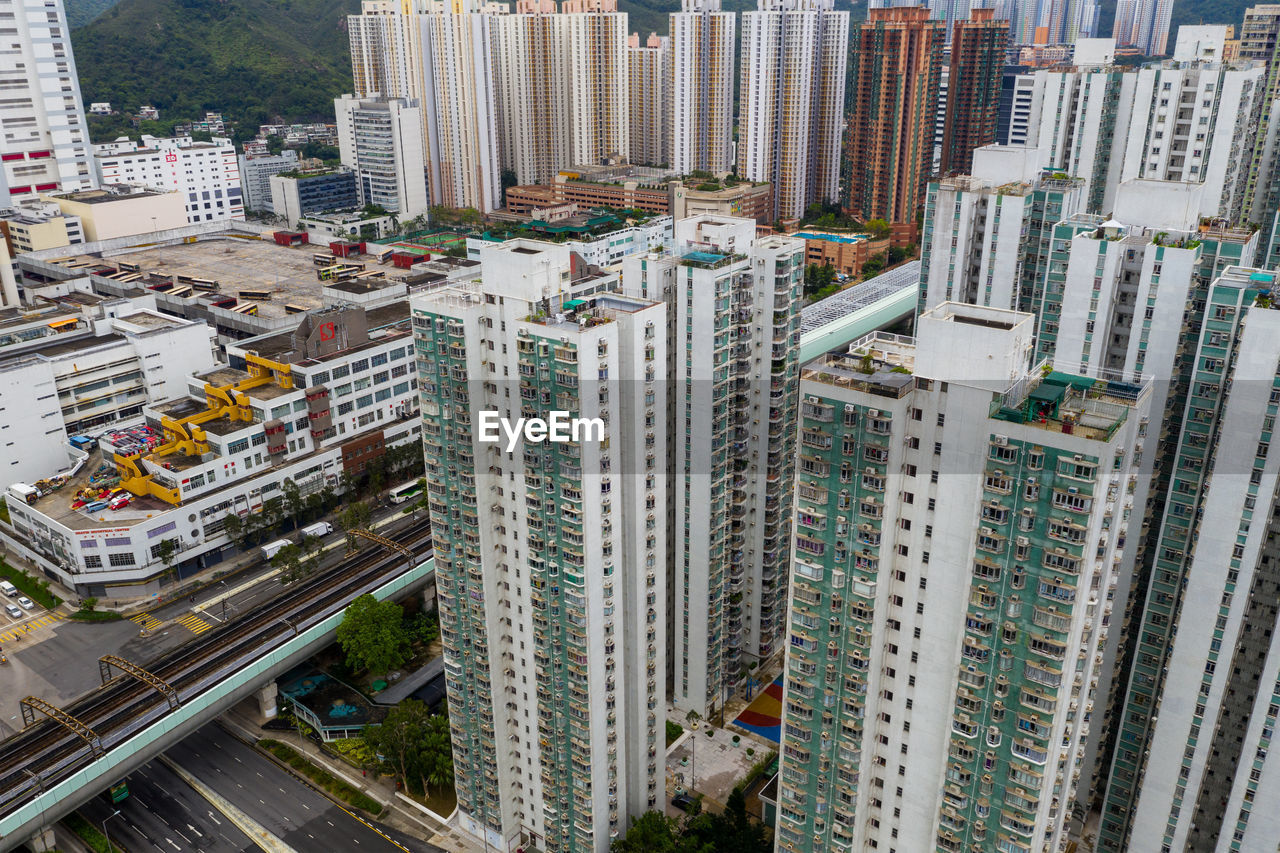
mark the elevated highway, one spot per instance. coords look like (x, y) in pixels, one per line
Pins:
(64, 756)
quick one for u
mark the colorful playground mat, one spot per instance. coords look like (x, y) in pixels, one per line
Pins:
(764, 715)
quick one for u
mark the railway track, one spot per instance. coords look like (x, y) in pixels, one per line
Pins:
(45, 752)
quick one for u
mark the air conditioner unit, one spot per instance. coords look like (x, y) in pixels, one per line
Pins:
(1001, 440)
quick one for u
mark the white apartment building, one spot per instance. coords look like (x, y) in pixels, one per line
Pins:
(1020, 110)
(439, 54)
(790, 134)
(549, 556)
(207, 173)
(649, 69)
(255, 177)
(532, 82)
(1143, 24)
(100, 369)
(954, 553)
(46, 140)
(1192, 118)
(563, 86)
(305, 405)
(1191, 769)
(986, 235)
(380, 141)
(733, 303)
(703, 49)
(457, 72)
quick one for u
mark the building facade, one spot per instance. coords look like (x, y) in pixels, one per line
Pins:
(734, 309)
(792, 80)
(46, 144)
(973, 89)
(896, 63)
(380, 141)
(206, 173)
(986, 238)
(285, 408)
(1143, 24)
(1191, 767)
(649, 69)
(255, 176)
(941, 662)
(306, 195)
(703, 48)
(548, 555)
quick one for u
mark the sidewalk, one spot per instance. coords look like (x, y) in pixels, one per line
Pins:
(243, 722)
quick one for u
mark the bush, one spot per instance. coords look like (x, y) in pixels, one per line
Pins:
(36, 590)
(674, 730)
(321, 778)
(353, 750)
(89, 834)
(96, 616)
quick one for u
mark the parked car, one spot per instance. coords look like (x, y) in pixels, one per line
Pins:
(119, 502)
(12, 610)
(26, 603)
(683, 802)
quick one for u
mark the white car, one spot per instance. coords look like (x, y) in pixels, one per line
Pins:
(26, 603)
(12, 610)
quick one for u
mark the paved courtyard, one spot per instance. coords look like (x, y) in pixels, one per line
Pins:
(719, 764)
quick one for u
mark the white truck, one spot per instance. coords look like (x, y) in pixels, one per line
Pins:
(320, 528)
(272, 548)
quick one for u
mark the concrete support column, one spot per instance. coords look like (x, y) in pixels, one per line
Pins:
(267, 701)
(43, 841)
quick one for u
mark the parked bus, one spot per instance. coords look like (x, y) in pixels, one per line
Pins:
(409, 491)
(264, 295)
(245, 308)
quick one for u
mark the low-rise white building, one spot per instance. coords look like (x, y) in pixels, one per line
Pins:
(305, 405)
(255, 176)
(206, 172)
(84, 371)
(607, 249)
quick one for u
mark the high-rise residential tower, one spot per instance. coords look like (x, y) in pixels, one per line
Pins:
(46, 140)
(896, 59)
(794, 54)
(549, 554)
(1191, 119)
(380, 140)
(702, 77)
(649, 68)
(562, 82)
(1143, 24)
(734, 310)
(1260, 41)
(1191, 770)
(986, 238)
(974, 77)
(954, 550)
(441, 54)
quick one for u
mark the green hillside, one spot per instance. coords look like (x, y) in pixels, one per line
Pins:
(81, 12)
(251, 59)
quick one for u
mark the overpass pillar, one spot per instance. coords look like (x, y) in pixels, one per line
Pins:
(43, 841)
(267, 701)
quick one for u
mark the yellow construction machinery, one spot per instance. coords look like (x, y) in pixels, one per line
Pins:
(184, 435)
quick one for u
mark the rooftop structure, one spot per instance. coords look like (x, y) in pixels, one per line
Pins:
(308, 405)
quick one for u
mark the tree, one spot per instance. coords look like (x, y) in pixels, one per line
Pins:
(167, 552)
(508, 179)
(293, 499)
(415, 745)
(652, 832)
(373, 636)
(434, 756)
(355, 516)
(289, 561)
(879, 228)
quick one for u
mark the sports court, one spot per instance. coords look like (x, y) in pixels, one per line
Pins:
(764, 715)
(429, 243)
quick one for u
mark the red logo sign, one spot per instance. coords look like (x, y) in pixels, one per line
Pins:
(171, 157)
(328, 331)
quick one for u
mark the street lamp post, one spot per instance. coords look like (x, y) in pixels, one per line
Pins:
(104, 828)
